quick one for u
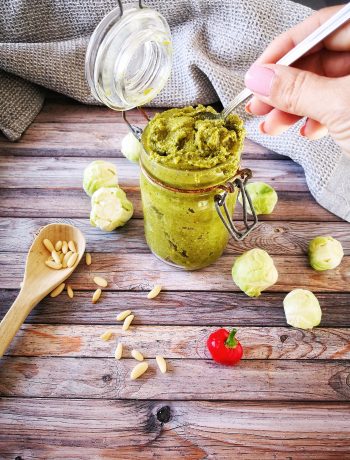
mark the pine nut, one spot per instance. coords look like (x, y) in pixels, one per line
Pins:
(161, 364)
(71, 246)
(57, 291)
(56, 257)
(138, 370)
(52, 264)
(64, 247)
(127, 322)
(66, 258)
(136, 354)
(70, 292)
(58, 245)
(106, 335)
(73, 258)
(155, 291)
(118, 351)
(61, 257)
(88, 258)
(48, 245)
(100, 281)
(96, 295)
(123, 315)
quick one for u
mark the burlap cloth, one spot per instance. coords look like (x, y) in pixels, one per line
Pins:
(43, 43)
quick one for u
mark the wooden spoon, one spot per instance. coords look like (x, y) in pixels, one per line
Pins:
(39, 280)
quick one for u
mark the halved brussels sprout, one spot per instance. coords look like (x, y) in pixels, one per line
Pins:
(325, 253)
(254, 271)
(110, 208)
(99, 174)
(302, 309)
(131, 148)
(263, 196)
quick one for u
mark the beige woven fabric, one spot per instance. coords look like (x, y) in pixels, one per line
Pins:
(43, 43)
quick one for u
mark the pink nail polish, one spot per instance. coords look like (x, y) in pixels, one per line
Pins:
(247, 108)
(259, 79)
(302, 131)
(261, 127)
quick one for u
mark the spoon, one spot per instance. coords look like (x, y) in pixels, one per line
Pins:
(39, 280)
(332, 24)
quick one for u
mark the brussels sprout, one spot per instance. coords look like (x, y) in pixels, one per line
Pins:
(325, 253)
(99, 174)
(264, 197)
(131, 148)
(254, 271)
(302, 309)
(110, 208)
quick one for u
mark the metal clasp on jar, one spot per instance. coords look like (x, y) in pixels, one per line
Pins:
(238, 182)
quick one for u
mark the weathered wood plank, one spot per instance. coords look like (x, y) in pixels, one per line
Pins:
(61, 173)
(178, 308)
(142, 271)
(80, 429)
(69, 203)
(179, 342)
(104, 378)
(288, 238)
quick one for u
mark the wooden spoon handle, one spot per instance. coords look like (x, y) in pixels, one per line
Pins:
(13, 320)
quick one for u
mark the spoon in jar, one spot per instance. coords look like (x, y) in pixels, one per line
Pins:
(39, 279)
(332, 24)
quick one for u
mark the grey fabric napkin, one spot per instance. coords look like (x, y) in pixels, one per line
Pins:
(43, 44)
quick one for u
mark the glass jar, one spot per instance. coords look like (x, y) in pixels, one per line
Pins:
(187, 213)
(182, 226)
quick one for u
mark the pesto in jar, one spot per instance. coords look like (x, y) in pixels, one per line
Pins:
(183, 161)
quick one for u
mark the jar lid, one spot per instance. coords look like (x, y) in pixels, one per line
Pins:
(129, 58)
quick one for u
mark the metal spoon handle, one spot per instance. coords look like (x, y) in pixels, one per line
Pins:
(332, 24)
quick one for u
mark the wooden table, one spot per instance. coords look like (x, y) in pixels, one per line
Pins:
(63, 393)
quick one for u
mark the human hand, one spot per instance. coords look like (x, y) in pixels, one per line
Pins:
(316, 87)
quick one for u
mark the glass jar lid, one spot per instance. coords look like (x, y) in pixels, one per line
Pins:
(129, 57)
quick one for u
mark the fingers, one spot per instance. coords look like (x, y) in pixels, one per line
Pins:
(277, 122)
(292, 90)
(327, 63)
(256, 107)
(313, 130)
(338, 41)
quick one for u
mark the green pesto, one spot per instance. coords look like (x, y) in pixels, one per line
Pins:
(184, 229)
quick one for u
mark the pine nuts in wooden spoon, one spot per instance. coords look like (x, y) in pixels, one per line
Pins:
(48, 245)
(52, 264)
(73, 258)
(58, 245)
(71, 246)
(64, 247)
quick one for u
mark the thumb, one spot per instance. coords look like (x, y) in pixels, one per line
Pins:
(292, 90)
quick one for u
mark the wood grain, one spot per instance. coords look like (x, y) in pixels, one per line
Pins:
(178, 308)
(196, 430)
(142, 271)
(61, 173)
(187, 379)
(69, 203)
(288, 238)
(179, 342)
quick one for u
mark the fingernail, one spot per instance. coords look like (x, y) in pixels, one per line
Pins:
(261, 127)
(247, 108)
(259, 79)
(302, 131)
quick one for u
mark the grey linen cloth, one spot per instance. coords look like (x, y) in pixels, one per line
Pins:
(43, 44)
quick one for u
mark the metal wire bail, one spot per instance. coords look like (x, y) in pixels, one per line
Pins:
(120, 3)
(136, 130)
(220, 202)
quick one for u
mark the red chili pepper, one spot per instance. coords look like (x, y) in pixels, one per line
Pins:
(224, 347)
